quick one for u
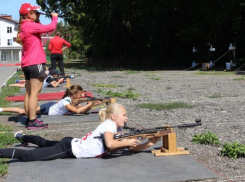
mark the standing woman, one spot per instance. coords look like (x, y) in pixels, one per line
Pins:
(56, 48)
(33, 58)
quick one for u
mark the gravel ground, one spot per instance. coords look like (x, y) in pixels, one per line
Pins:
(223, 116)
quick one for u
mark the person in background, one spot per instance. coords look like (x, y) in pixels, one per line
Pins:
(50, 80)
(33, 58)
(56, 48)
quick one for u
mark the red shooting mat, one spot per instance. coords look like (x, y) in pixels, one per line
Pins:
(45, 96)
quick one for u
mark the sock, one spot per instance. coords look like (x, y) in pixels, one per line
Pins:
(1, 109)
(32, 120)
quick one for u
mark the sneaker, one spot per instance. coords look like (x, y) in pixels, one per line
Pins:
(36, 125)
(17, 81)
(18, 135)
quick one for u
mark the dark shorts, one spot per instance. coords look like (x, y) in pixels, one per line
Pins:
(34, 71)
(44, 108)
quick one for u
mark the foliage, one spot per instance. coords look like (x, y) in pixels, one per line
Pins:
(47, 51)
(207, 138)
(127, 94)
(166, 106)
(158, 33)
(233, 150)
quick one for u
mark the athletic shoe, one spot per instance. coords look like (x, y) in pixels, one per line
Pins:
(18, 135)
(36, 125)
(17, 81)
(27, 121)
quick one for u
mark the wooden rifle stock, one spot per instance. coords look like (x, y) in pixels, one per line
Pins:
(106, 100)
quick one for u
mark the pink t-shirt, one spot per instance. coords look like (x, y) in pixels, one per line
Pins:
(30, 35)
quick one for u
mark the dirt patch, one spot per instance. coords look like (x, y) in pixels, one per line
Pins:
(223, 115)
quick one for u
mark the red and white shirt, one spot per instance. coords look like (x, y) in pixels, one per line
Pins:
(88, 146)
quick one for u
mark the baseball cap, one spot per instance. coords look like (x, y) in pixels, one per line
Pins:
(27, 7)
(55, 72)
(50, 68)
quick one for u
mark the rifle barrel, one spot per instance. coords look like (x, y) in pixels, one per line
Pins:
(49, 15)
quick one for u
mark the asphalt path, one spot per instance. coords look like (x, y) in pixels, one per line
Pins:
(6, 72)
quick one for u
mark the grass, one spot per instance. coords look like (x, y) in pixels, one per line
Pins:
(214, 96)
(155, 78)
(130, 89)
(131, 72)
(106, 85)
(214, 73)
(6, 139)
(128, 94)
(166, 106)
(117, 76)
(7, 91)
(238, 79)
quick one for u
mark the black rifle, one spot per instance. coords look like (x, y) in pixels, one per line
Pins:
(149, 132)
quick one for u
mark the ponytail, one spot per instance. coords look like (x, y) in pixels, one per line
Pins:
(18, 39)
(105, 113)
(72, 90)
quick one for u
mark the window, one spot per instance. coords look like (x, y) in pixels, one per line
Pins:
(10, 42)
(9, 29)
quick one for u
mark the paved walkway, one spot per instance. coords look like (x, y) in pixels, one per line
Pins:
(7, 70)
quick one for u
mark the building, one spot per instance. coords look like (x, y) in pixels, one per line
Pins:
(10, 50)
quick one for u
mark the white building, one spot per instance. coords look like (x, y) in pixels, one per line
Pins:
(10, 50)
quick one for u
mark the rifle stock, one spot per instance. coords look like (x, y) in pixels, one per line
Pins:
(103, 100)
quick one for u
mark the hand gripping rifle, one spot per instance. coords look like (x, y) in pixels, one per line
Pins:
(106, 100)
(166, 132)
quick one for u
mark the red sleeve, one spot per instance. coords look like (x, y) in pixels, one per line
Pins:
(66, 43)
(50, 46)
(39, 28)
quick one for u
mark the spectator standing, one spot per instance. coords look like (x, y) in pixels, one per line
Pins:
(56, 48)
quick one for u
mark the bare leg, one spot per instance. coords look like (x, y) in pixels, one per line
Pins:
(35, 88)
(17, 85)
(26, 100)
(14, 109)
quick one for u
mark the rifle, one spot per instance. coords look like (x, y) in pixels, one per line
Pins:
(65, 77)
(166, 132)
(106, 100)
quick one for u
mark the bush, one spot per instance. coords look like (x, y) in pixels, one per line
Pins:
(207, 138)
(233, 150)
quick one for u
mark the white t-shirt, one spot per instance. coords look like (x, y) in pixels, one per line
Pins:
(59, 107)
(88, 146)
(47, 81)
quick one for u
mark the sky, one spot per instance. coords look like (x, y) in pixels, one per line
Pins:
(12, 7)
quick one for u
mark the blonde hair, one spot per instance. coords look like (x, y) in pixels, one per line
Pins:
(105, 113)
(74, 89)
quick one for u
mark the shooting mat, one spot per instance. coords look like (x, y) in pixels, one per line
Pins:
(44, 96)
(119, 167)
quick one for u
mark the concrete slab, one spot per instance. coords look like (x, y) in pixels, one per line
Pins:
(92, 117)
(48, 89)
(119, 167)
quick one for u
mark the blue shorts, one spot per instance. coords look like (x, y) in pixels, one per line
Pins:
(44, 108)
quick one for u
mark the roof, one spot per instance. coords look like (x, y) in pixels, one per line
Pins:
(8, 18)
